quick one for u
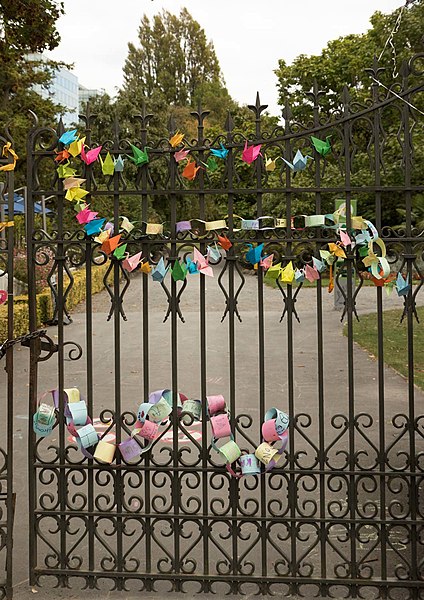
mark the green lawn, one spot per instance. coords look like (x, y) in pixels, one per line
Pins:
(395, 341)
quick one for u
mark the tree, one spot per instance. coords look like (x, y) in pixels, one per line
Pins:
(346, 61)
(173, 61)
(26, 28)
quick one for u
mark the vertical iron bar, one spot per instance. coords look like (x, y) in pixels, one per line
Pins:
(203, 359)
(176, 491)
(32, 391)
(10, 233)
(413, 483)
(380, 351)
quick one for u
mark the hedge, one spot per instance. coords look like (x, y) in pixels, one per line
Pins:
(44, 302)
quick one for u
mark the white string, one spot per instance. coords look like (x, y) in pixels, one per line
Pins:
(389, 40)
(397, 95)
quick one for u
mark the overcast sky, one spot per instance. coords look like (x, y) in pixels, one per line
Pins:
(250, 36)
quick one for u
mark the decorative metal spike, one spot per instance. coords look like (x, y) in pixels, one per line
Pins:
(375, 70)
(229, 123)
(257, 108)
(144, 117)
(172, 126)
(200, 114)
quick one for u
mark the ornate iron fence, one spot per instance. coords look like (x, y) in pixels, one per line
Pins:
(7, 497)
(342, 515)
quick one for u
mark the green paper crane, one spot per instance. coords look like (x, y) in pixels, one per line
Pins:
(212, 165)
(119, 252)
(140, 157)
(178, 271)
(320, 146)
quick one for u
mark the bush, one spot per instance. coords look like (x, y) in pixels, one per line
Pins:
(44, 302)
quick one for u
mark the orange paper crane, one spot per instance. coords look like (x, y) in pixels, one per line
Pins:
(190, 170)
(110, 244)
(62, 155)
(224, 242)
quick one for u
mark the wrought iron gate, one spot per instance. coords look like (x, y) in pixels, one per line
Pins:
(342, 516)
(7, 497)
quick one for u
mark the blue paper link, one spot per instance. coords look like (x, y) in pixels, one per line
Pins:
(78, 412)
(40, 429)
(87, 436)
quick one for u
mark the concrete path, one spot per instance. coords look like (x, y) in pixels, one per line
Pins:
(305, 369)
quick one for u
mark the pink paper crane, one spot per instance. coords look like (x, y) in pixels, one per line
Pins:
(86, 215)
(345, 239)
(266, 262)
(132, 262)
(311, 273)
(202, 263)
(181, 155)
(90, 156)
(251, 153)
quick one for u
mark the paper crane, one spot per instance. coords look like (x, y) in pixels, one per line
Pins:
(6, 151)
(176, 139)
(62, 155)
(90, 156)
(224, 242)
(299, 275)
(159, 272)
(253, 255)
(76, 146)
(337, 250)
(119, 164)
(266, 262)
(178, 271)
(299, 162)
(270, 163)
(211, 164)
(327, 256)
(140, 157)
(94, 226)
(3, 296)
(202, 263)
(145, 267)
(132, 262)
(75, 193)
(68, 137)
(251, 153)
(191, 266)
(120, 251)
(214, 253)
(102, 236)
(345, 239)
(126, 225)
(109, 245)
(221, 152)
(65, 171)
(181, 155)
(72, 182)
(318, 265)
(273, 271)
(190, 170)
(320, 146)
(311, 274)
(287, 273)
(402, 285)
(108, 165)
(86, 215)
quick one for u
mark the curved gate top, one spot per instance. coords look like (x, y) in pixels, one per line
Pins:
(340, 513)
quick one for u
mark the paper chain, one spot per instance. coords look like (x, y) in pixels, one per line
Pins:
(155, 413)
(362, 234)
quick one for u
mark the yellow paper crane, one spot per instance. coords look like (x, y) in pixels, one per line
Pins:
(176, 139)
(287, 273)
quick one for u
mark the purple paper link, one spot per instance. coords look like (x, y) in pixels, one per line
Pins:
(84, 450)
(154, 397)
(130, 449)
(183, 226)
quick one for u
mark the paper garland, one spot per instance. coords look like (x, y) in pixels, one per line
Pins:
(155, 413)
(363, 233)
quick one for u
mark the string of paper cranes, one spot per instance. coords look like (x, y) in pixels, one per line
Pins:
(363, 235)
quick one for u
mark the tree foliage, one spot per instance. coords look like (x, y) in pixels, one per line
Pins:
(26, 27)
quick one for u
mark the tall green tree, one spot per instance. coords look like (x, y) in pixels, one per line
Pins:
(173, 65)
(26, 27)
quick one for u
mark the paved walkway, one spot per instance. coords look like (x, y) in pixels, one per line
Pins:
(304, 365)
